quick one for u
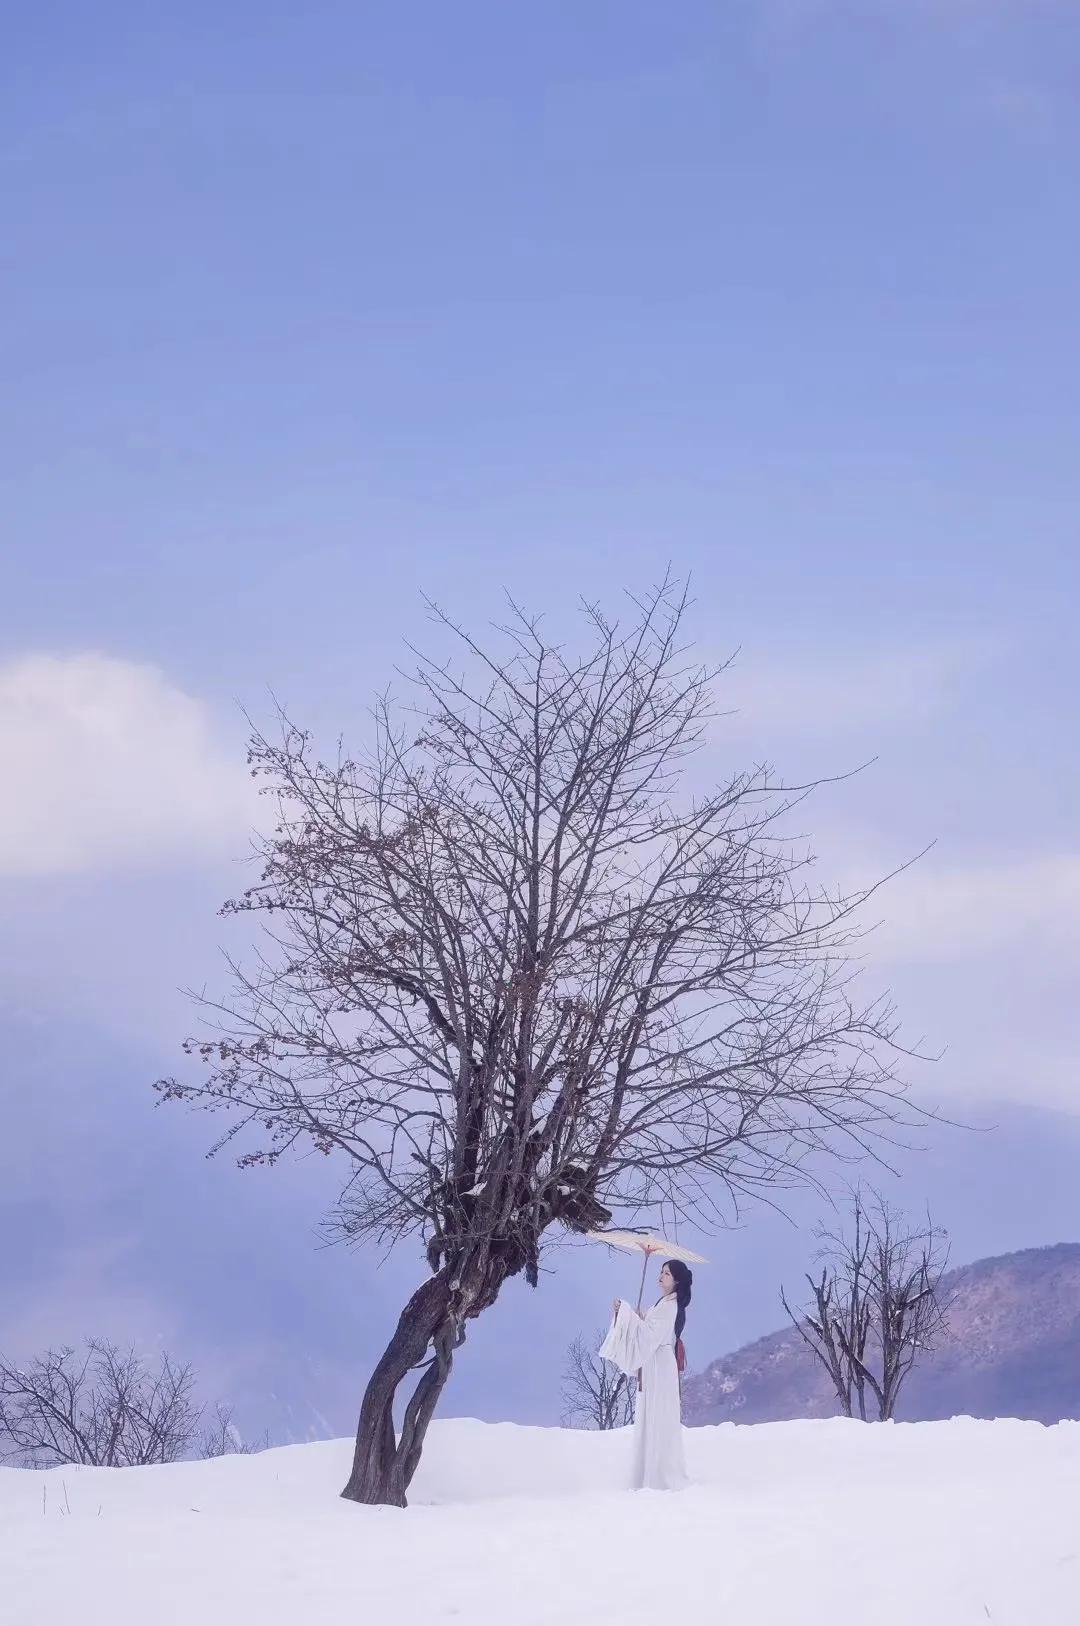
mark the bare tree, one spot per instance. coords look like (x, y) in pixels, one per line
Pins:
(878, 1304)
(222, 1438)
(104, 1407)
(515, 982)
(594, 1393)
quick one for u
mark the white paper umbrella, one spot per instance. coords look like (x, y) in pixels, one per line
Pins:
(648, 1244)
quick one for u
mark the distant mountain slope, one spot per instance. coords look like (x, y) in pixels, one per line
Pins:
(1013, 1350)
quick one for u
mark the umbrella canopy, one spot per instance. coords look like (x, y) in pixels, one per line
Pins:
(645, 1242)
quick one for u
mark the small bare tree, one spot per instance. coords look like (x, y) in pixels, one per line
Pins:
(222, 1438)
(515, 982)
(105, 1408)
(594, 1393)
(878, 1304)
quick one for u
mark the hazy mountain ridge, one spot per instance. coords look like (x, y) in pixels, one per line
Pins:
(1012, 1350)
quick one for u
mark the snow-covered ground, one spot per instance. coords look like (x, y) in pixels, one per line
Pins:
(789, 1524)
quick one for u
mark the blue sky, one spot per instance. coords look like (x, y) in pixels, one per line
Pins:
(306, 312)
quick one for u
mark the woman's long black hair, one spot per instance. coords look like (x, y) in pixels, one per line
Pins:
(684, 1281)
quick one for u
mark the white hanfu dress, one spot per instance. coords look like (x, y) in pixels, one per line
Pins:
(646, 1344)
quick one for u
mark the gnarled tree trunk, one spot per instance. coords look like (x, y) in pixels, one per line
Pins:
(431, 1327)
(383, 1465)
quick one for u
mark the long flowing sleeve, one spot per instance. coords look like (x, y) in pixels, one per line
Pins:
(634, 1340)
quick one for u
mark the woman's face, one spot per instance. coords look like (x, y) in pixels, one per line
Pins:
(667, 1281)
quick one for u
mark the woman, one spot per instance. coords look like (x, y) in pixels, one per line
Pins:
(645, 1344)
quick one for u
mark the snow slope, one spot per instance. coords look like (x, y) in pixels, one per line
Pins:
(788, 1524)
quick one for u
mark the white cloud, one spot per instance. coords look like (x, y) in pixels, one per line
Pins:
(847, 691)
(107, 763)
(934, 915)
(983, 959)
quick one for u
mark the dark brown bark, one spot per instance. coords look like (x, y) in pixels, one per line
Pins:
(382, 1465)
(429, 1330)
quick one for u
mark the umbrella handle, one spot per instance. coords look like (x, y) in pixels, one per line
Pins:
(644, 1268)
(641, 1295)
